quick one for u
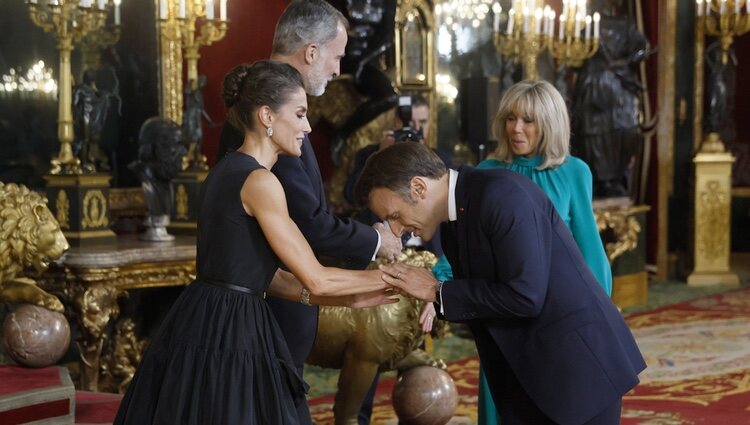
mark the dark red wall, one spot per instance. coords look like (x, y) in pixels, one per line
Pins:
(248, 39)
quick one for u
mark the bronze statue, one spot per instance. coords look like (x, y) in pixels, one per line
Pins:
(90, 109)
(160, 153)
(606, 116)
(29, 237)
(720, 91)
(191, 123)
(718, 111)
(362, 341)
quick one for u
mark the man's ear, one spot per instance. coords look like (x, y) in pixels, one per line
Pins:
(418, 187)
(311, 53)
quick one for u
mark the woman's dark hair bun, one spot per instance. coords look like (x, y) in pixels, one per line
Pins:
(233, 82)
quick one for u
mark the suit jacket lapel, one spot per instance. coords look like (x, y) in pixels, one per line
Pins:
(449, 242)
(310, 164)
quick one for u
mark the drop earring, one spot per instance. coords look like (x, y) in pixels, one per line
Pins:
(269, 131)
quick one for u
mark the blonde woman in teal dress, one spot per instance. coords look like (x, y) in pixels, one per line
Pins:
(533, 132)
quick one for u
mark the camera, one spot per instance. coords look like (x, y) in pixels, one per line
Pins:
(406, 133)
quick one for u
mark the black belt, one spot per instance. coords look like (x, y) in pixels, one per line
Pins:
(232, 287)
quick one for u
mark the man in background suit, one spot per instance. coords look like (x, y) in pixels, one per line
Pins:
(554, 347)
(311, 36)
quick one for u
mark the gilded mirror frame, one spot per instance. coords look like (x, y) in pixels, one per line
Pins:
(423, 12)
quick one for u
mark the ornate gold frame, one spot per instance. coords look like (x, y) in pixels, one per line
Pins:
(426, 10)
(423, 9)
(170, 66)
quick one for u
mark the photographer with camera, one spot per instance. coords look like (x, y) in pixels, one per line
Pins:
(411, 123)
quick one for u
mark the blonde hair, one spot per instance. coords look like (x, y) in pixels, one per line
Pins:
(542, 103)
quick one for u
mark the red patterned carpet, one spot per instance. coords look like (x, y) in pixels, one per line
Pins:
(698, 353)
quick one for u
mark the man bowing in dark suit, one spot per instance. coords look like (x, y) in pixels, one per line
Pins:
(311, 36)
(555, 348)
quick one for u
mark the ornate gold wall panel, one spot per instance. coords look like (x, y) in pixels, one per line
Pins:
(170, 66)
(665, 128)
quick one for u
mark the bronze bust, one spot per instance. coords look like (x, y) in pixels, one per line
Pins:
(160, 153)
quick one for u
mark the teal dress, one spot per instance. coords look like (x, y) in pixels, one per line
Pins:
(569, 187)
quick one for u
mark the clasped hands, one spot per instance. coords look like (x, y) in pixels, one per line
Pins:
(417, 282)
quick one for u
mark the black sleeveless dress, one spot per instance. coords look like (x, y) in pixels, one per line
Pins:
(220, 357)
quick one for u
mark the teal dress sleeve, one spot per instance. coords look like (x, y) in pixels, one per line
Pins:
(442, 269)
(583, 224)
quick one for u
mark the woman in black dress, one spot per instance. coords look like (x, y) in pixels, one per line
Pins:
(219, 357)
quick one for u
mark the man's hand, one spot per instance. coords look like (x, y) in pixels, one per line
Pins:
(390, 244)
(415, 281)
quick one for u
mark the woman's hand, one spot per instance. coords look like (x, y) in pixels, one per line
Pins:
(427, 318)
(373, 299)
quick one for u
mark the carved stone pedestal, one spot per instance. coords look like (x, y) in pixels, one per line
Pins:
(185, 187)
(713, 185)
(80, 203)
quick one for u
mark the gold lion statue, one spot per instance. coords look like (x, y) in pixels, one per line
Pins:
(363, 341)
(29, 237)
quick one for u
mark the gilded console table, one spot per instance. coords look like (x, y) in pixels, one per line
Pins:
(89, 280)
(622, 227)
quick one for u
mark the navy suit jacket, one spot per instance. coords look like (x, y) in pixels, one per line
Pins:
(525, 290)
(327, 234)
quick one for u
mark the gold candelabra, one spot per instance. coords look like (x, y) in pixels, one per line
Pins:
(725, 19)
(525, 35)
(574, 43)
(95, 42)
(69, 21)
(179, 20)
(531, 30)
